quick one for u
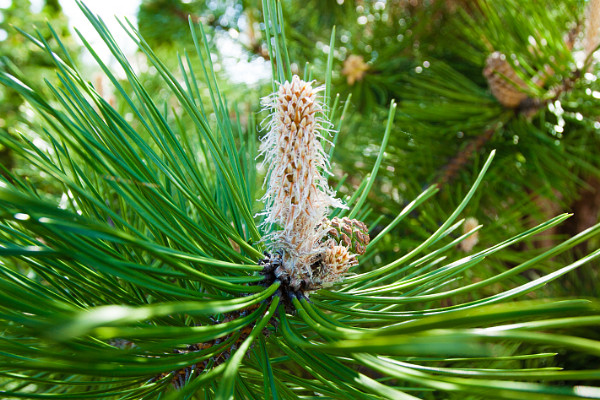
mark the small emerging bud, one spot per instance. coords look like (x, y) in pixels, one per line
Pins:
(467, 244)
(354, 68)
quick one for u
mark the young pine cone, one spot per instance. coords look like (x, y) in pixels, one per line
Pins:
(350, 233)
(336, 262)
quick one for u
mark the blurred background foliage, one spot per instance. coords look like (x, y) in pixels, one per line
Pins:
(23, 58)
(468, 76)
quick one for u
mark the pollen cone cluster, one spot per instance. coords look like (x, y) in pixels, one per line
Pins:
(297, 196)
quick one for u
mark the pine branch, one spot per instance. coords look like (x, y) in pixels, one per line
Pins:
(453, 167)
(141, 276)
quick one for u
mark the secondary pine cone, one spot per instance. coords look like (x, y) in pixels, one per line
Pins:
(336, 262)
(350, 233)
(504, 81)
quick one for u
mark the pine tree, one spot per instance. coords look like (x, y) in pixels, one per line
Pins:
(149, 275)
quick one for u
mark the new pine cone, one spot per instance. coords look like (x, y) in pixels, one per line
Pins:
(344, 238)
(337, 260)
(350, 233)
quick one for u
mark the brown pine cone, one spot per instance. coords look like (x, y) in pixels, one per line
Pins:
(504, 81)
